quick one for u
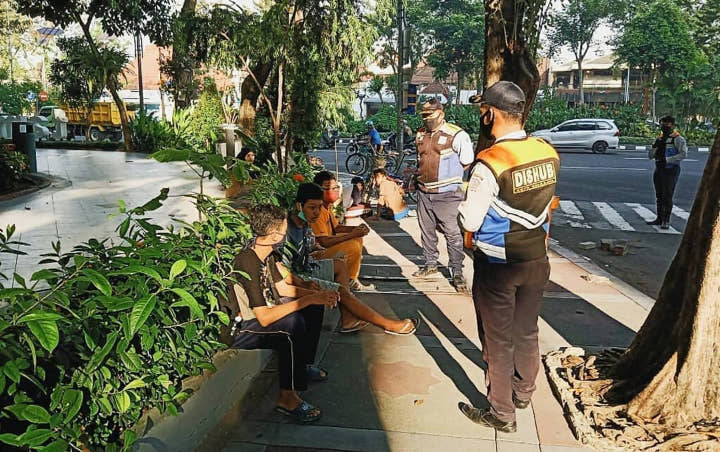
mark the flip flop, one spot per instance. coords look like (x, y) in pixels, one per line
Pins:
(316, 373)
(303, 413)
(357, 326)
(415, 323)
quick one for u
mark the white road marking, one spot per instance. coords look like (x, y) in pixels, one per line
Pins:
(636, 158)
(681, 213)
(600, 168)
(649, 215)
(571, 210)
(613, 217)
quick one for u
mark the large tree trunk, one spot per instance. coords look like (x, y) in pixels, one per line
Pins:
(507, 56)
(671, 372)
(582, 81)
(250, 93)
(183, 67)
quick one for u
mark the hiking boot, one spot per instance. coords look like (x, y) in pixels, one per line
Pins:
(459, 283)
(520, 404)
(426, 271)
(486, 418)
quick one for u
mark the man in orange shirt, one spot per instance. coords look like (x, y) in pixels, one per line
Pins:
(338, 240)
(391, 197)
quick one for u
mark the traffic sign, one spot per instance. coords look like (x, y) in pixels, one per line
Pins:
(43, 96)
(30, 96)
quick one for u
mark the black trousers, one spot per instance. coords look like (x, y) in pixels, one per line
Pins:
(439, 211)
(294, 337)
(665, 180)
(507, 303)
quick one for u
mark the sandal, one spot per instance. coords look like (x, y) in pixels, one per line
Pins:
(357, 326)
(303, 413)
(413, 322)
(316, 373)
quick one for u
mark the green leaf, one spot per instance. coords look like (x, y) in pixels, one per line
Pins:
(9, 438)
(129, 439)
(123, 401)
(56, 446)
(105, 405)
(135, 268)
(98, 280)
(141, 311)
(11, 293)
(35, 414)
(39, 315)
(98, 357)
(46, 331)
(177, 268)
(71, 403)
(170, 155)
(137, 383)
(188, 301)
(11, 370)
(224, 319)
(116, 304)
(43, 275)
(36, 437)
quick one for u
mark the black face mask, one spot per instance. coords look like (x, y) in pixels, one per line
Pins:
(486, 129)
(666, 130)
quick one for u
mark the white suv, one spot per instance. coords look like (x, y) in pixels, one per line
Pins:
(598, 135)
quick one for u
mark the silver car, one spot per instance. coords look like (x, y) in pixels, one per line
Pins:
(598, 135)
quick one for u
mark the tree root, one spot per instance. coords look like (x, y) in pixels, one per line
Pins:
(581, 383)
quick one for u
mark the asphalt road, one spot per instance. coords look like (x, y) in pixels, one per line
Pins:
(609, 196)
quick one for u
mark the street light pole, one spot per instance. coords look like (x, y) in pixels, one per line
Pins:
(139, 57)
(401, 62)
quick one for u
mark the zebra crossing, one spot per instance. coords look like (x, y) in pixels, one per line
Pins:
(629, 216)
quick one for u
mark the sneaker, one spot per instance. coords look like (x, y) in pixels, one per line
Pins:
(486, 418)
(459, 283)
(426, 271)
(357, 286)
(655, 222)
(520, 404)
(665, 225)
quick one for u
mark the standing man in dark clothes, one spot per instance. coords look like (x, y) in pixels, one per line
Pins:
(668, 150)
(270, 312)
(444, 151)
(508, 199)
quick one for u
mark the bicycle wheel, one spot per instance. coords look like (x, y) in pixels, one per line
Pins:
(356, 164)
(391, 163)
(352, 148)
(410, 188)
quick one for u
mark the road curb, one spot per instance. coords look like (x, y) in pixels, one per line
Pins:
(635, 148)
(589, 266)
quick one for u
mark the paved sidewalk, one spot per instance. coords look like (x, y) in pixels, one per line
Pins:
(85, 191)
(391, 393)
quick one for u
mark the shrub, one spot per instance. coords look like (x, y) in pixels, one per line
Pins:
(207, 116)
(113, 327)
(273, 187)
(13, 97)
(148, 133)
(12, 168)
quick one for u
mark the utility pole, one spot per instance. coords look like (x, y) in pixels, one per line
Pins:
(139, 57)
(401, 62)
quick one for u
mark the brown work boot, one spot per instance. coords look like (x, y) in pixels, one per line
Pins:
(520, 404)
(486, 418)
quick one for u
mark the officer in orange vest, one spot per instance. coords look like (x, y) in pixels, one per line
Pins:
(506, 209)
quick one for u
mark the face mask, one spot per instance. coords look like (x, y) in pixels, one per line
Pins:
(666, 130)
(301, 215)
(330, 196)
(433, 121)
(486, 129)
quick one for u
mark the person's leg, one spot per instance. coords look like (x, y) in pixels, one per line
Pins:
(446, 210)
(671, 178)
(657, 183)
(428, 224)
(525, 327)
(495, 301)
(351, 251)
(478, 268)
(313, 319)
(364, 312)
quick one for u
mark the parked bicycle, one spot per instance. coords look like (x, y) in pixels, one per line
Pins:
(362, 156)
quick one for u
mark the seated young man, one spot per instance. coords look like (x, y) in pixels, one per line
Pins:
(331, 274)
(391, 197)
(357, 208)
(338, 241)
(272, 313)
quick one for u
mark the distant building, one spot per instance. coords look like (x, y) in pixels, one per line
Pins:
(604, 82)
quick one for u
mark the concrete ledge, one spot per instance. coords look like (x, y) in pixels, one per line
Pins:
(215, 393)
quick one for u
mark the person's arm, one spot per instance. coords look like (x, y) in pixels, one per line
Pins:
(463, 147)
(329, 241)
(481, 190)
(267, 316)
(682, 148)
